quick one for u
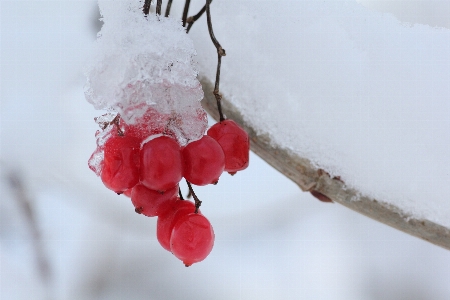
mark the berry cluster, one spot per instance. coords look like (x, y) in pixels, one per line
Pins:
(145, 161)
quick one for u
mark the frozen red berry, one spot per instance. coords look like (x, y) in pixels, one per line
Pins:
(203, 161)
(166, 221)
(192, 238)
(120, 170)
(151, 123)
(128, 193)
(152, 203)
(234, 142)
(161, 167)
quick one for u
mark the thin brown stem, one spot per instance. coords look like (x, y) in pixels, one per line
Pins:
(191, 20)
(197, 201)
(169, 5)
(146, 8)
(116, 122)
(186, 11)
(158, 7)
(220, 53)
(180, 194)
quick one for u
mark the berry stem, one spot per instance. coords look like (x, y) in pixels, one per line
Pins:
(169, 5)
(180, 194)
(191, 20)
(146, 8)
(185, 11)
(158, 7)
(197, 201)
(220, 53)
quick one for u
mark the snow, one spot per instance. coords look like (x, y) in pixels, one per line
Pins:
(273, 241)
(360, 94)
(145, 62)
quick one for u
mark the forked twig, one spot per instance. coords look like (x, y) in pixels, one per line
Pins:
(220, 53)
(191, 20)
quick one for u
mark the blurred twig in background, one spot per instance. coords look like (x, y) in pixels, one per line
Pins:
(18, 188)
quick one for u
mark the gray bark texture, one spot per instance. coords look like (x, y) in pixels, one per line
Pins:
(320, 184)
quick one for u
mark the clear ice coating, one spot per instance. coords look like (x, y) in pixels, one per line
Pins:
(146, 62)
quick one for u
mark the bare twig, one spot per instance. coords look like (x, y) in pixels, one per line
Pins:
(158, 7)
(187, 3)
(18, 188)
(310, 179)
(220, 53)
(146, 8)
(169, 5)
(197, 201)
(191, 20)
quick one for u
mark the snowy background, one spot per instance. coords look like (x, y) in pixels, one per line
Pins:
(272, 240)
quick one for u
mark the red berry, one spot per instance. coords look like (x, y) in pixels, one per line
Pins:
(152, 203)
(234, 142)
(203, 161)
(192, 238)
(161, 164)
(128, 193)
(152, 122)
(166, 221)
(120, 170)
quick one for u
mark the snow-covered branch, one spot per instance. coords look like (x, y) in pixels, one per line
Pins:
(319, 183)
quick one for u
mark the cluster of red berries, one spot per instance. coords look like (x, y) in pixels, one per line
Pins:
(147, 163)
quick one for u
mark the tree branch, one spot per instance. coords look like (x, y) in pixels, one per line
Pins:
(319, 183)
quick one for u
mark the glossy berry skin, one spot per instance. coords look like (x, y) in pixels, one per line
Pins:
(127, 193)
(203, 161)
(234, 142)
(192, 238)
(120, 170)
(166, 221)
(161, 167)
(152, 203)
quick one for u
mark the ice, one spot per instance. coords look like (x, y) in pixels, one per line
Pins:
(146, 62)
(357, 92)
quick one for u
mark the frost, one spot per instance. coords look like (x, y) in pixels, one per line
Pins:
(146, 62)
(95, 162)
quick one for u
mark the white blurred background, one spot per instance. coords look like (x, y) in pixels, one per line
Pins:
(63, 235)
